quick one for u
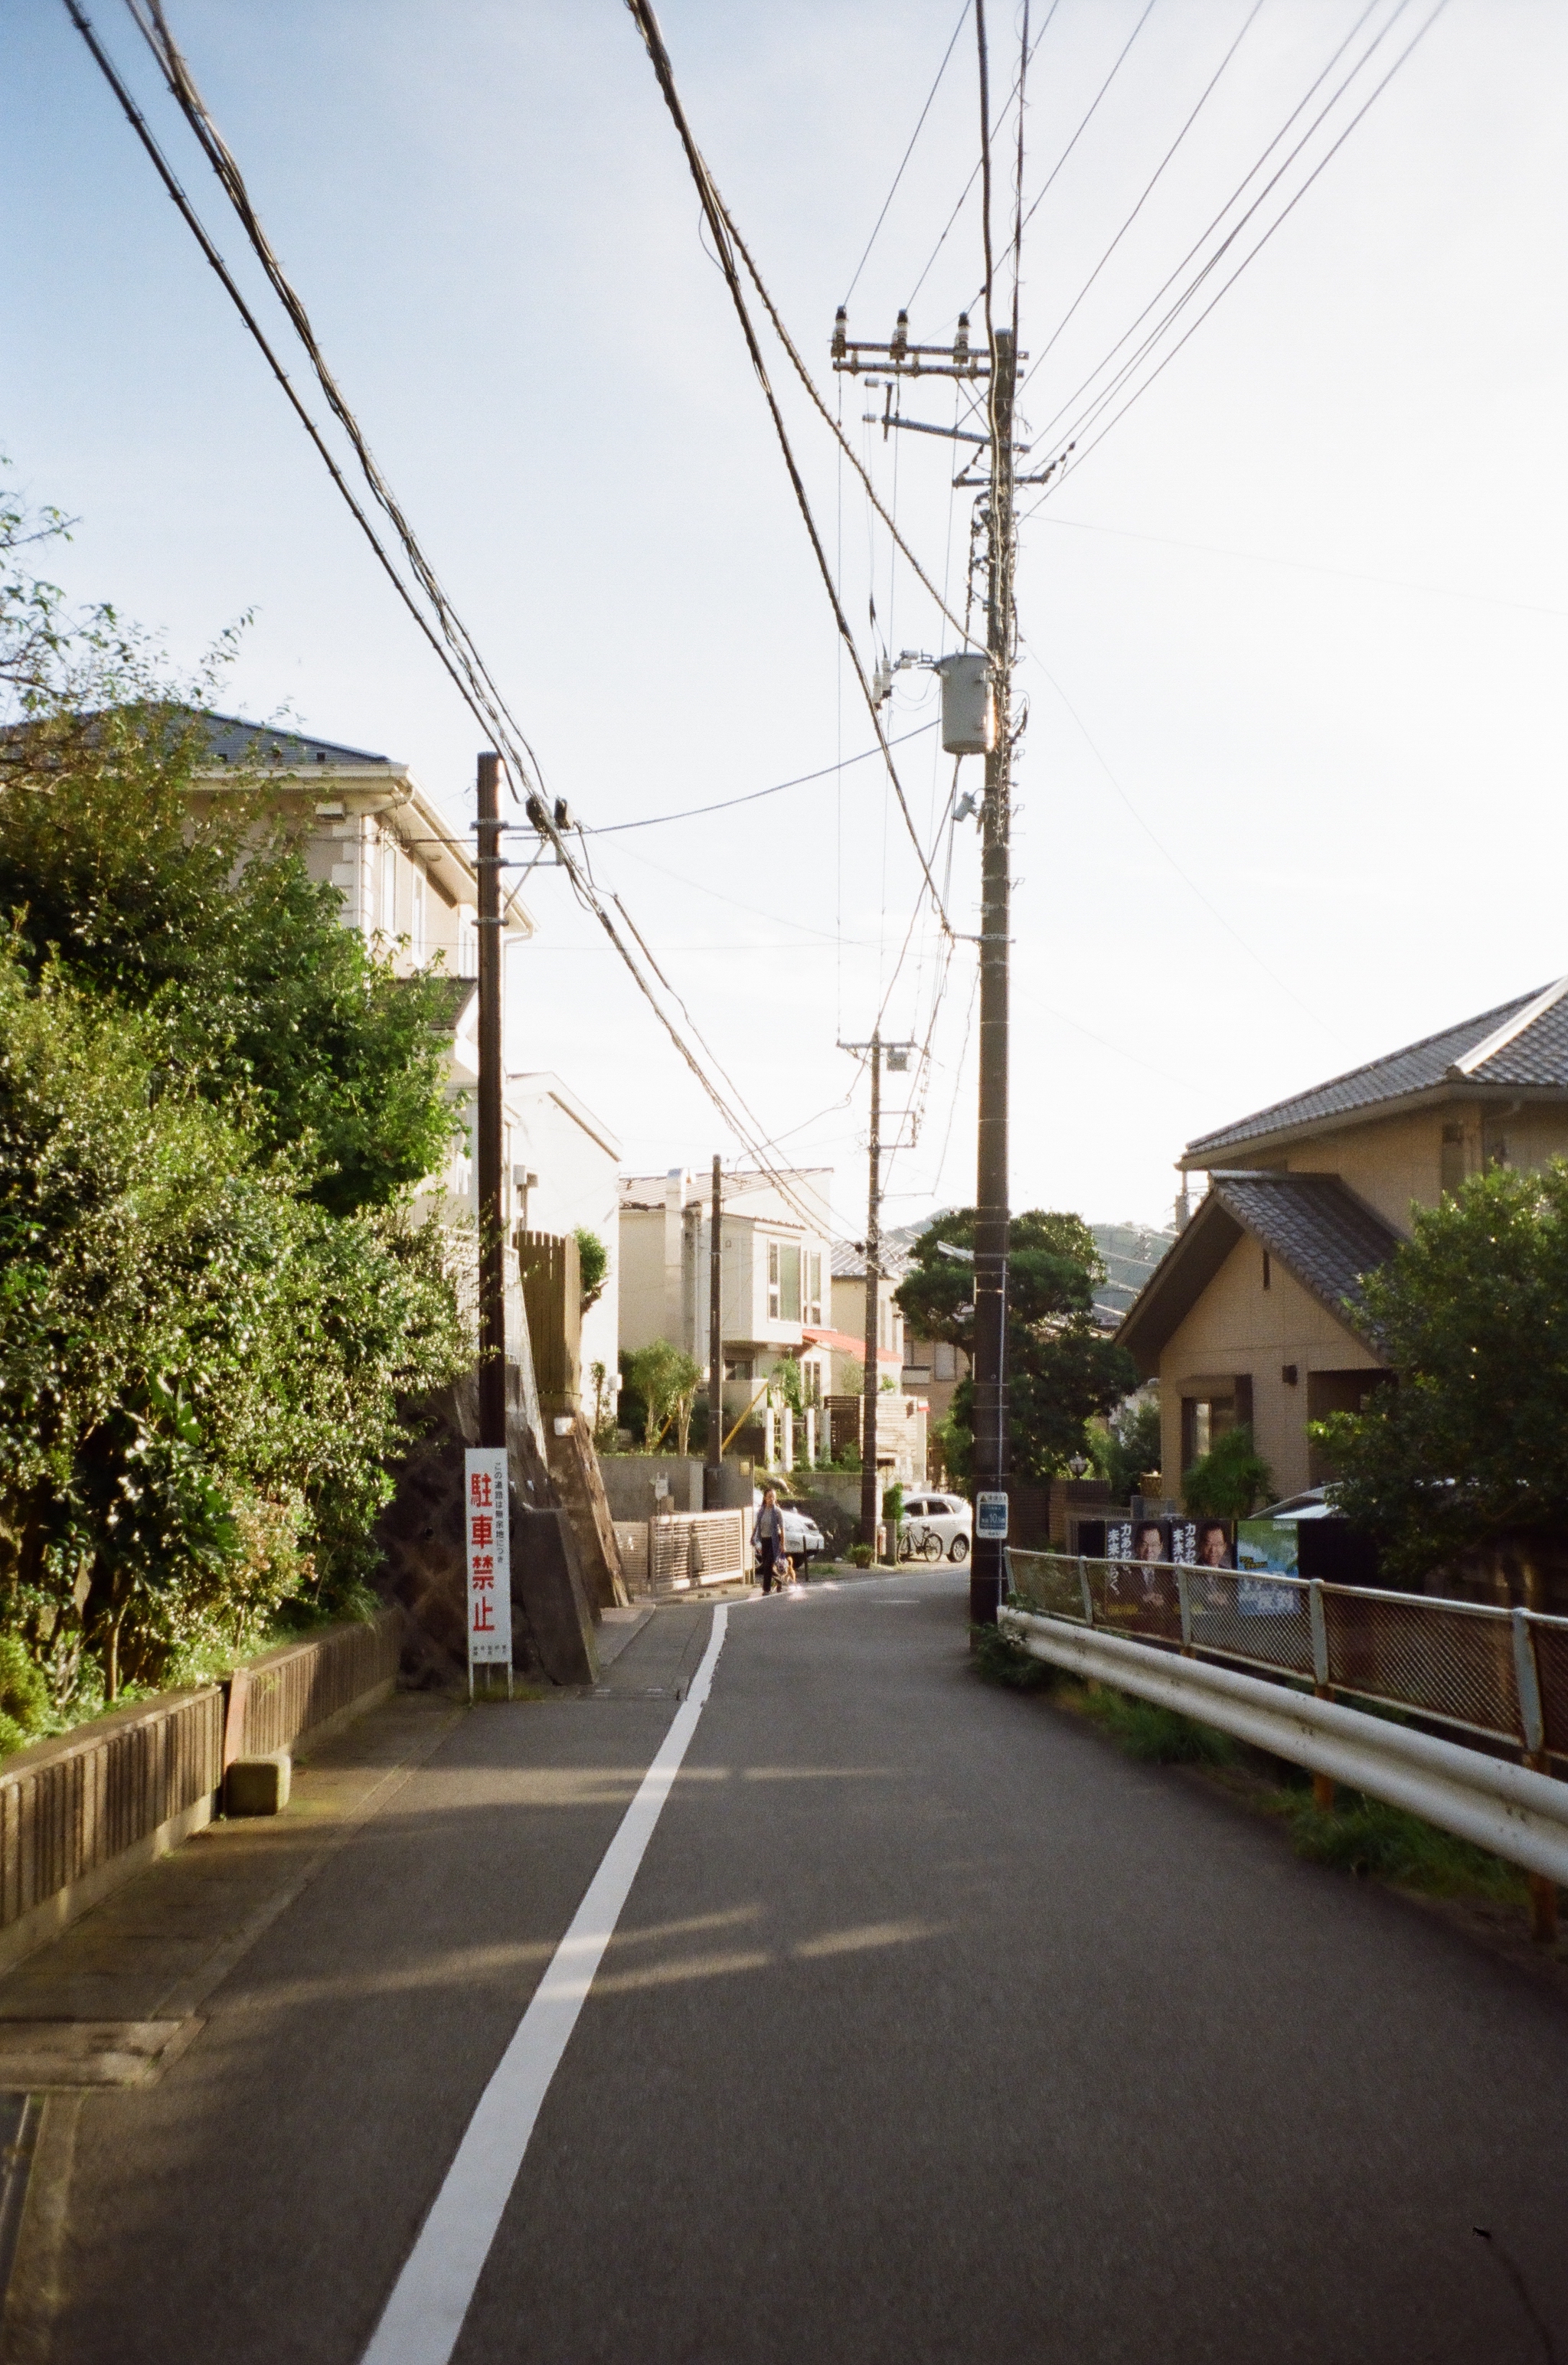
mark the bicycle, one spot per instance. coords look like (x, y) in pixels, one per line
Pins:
(919, 1545)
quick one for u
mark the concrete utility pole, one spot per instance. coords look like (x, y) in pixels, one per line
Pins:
(999, 366)
(870, 1506)
(986, 1569)
(897, 1055)
(713, 1475)
(487, 1145)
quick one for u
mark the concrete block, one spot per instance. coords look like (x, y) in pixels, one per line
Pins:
(258, 1785)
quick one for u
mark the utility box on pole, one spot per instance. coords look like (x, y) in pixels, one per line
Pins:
(968, 703)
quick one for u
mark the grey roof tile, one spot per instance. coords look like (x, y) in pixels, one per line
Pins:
(1316, 1226)
(1537, 1054)
(234, 741)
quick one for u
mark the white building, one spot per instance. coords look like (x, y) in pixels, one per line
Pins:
(408, 883)
(774, 1252)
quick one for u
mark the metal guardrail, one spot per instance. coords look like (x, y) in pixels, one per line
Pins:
(1517, 1812)
(690, 1548)
(1501, 1674)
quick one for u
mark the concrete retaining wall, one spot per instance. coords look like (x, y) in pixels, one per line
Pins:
(80, 1814)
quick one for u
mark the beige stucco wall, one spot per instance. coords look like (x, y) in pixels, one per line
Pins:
(1238, 1326)
(1392, 1161)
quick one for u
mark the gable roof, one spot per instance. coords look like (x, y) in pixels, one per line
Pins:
(232, 740)
(1521, 1046)
(1317, 1228)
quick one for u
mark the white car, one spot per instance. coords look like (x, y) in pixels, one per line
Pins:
(936, 1527)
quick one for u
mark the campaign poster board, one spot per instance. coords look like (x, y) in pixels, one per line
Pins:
(490, 1557)
(1202, 1543)
(1267, 1547)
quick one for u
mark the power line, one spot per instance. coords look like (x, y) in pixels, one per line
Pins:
(1254, 252)
(469, 675)
(160, 41)
(1093, 109)
(727, 804)
(647, 25)
(974, 176)
(909, 151)
(1235, 197)
(1203, 101)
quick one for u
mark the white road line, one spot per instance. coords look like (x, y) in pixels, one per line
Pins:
(431, 2298)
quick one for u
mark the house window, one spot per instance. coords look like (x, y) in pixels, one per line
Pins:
(418, 931)
(773, 1280)
(788, 1281)
(467, 942)
(1494, 1145)
(1267, 1270)
(811, 1271)
(944, 1361)
(1450, 1159)
(1205, 1420)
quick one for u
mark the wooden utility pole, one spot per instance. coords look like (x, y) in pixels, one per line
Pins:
(997, 365)
(488, 1131)
(870, 1506)
(713, 1479)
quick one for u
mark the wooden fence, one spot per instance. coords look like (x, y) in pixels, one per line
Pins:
(697, 1548)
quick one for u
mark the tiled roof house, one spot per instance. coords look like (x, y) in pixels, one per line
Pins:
(1255, 1314)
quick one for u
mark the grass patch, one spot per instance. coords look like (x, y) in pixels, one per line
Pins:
(1160, 1736)
(1380, 1842)
(1000, 1660)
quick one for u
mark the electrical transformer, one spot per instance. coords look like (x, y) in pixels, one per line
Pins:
(969, 705)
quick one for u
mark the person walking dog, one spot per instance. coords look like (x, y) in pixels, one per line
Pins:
(768, 1542)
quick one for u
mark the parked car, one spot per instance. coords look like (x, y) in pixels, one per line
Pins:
(936, 1527)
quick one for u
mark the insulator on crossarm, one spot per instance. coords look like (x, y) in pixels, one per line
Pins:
(901, 336)
(840, 333)
(961, 341)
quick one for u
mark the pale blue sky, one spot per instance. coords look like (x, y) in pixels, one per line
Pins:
(486, 209)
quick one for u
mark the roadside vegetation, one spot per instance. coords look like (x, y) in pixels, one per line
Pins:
(1358, 1835)
(220, 1317)
(1469, 1445)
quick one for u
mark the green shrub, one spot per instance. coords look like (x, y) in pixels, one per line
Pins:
(1364, 1836)
(1160, 1736)
(24, 1706)
(860, 1555)
(893, 1508)
(1000, 1660)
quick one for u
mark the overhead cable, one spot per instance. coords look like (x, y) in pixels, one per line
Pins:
(1149, 189)
(974, 175)
(471, 679)
(167, 175)
(1252, 253)
(727, 804)
(148, 15)
(647, 25)
(1235, 198)
(909, 151)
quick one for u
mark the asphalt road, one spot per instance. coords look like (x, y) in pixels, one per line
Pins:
(933, 2029)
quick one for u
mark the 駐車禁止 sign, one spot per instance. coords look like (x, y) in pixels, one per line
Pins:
(489, 1556)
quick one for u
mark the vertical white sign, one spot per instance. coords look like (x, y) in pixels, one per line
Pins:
(490, 1557)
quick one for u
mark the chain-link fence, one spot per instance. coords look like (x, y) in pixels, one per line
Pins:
(1502, 1673)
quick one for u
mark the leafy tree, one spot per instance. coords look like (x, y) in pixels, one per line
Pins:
(665, 1381)
(217, 1322)
(593, 1267)
(138, 879)
(1472, 1312)
(1230, 1480)
(1062, 1371)
(203, 1374)
(1127, 1446)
